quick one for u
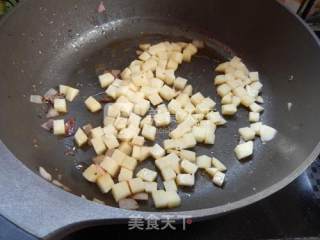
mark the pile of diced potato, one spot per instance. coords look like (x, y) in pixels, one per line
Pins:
(237, 86)
(150, 83)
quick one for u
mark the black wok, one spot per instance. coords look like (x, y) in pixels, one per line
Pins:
(46, 43)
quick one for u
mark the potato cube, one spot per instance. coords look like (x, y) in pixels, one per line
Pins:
(155, 99)
(118, 156)
(180, 83)
(172, 64)
(254, 76)
(71, 93)
(218, 165)
(181, 115)
(173, 106)
(120, 191)
(141, 107)
(112, 91)
(189, 108)
(126, 148)
(177, 56)
(188, 167)
(110, 141)
(59, 127)
(188, 90)
(150, 187)
(256, 108)
(113, 110)
(216, 118)
(80, 137)
(218, 178)
(197, 98)
(108, 121)
(227, 99)
(244, 150)
(167, 93)
(168, 173)
(127, 134)
(174, 199)
(134, 119)
(188, 155)
(136, 185)
(144, 56)
(162, 119)
(120, 123)
(156, 83)
(223, 89)
(160, 199)
(140, 153)
(92, 173)
(246, 100)
(157, 151)
(126, 74)
(188, 141)
(169, 76)
(98, 145)
(97, 132)
(204, 161)
(110, 130)
(199, 133)
(212, 171)
(149, 132)
(63, 89)
(138, 141)
(185, 180)
(228, 109)
(111, 166)
(105, 183)
(129, 163)
(259, 99)
(247, 133)
(267, 133)
(60, 105)
(205, 106)
(92, 104)
(219, 79)
(146, 121)
(106, 79)
(147, 175)
(236, 100)
(125, 174)
(150, 64)
(126, 108)
(170, 185)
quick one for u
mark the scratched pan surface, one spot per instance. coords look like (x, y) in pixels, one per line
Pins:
(70, 43)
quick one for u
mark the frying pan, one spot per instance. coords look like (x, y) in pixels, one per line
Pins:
(46, 43)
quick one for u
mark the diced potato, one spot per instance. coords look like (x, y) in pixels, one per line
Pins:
(146, 121)
(256, 108)
(59, 127)
(173, 106)
(218, 178)
(71, 93)
(180, 83)
(218, 165)
(181, 115)
(174, 199)
(228, 109)
(254, 76)
(97, 132)
(120, 123)
(140, 153)
(247, 133)
(188, 167)
(138, 141)
(136, 185)
(120, 191)
(155, 99)
(98, 145)
(172, 64)
(127, 134)
(150, 64)
(170, 185)
(199, 133)
(222, 67)
(144, 56)
(108, 121)
(168, 173)
(197, 98)
(223, 89)
(171, 144)
(267, 133)
(126, 148)
(118, 156)
(239, 92)
(216, 118)
(169, 161)
(125, 174)
(160, 199)
(188, 141)
(144, 46)
(219, 79)
(212, 171)
(254, 117)
(244, 150)
(204, 161)
(63, 89)
(141, 107)
(185, 180)
(236, 100)
(110, 130)
(256, 127)
(110, 141)
(105, 183)
(149, 132)
(147, 175)
(129, 163)
(92, 173)
(188, 90)
(111, 166)
(157, 151)
(80, 137)
(187, 155)
(162, 119)
(205, 106)
(246, 100)
(126, 74)
(113, 110)
(169, 76)
(177, 56)
(167, 93)
(112, 91)
(259, 99)
(60, 105)
(106, 79)
(150, 187)
(227, 99)
(92, 104)
(134, 119)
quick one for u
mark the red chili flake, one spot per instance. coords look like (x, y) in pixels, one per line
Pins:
(70, 126)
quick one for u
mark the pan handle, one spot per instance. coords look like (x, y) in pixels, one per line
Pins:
(42, 209)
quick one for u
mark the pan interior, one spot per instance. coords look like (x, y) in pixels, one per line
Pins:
(82, 56)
